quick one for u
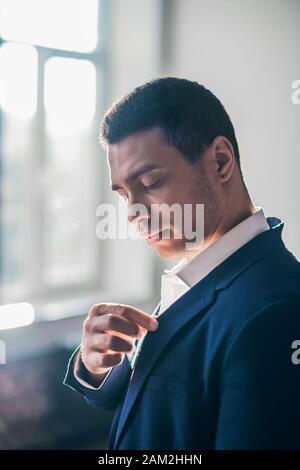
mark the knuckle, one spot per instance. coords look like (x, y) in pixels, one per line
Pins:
(86, 325)
(121, 310)
(85, 357)
(124, 310)
(93, 310)
(98, 363)
(83, 347)
(97, 309)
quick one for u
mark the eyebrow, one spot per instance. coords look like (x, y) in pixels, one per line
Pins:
(136, 174)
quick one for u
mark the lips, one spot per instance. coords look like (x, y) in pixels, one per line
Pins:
(156, 237)
(151, 236)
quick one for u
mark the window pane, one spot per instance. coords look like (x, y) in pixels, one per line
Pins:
(18, 84)
(18, 80)
(16, 150)
(62, 24)
(70, 95)
(70, 238)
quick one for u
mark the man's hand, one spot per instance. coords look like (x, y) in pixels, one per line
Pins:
(109, 332)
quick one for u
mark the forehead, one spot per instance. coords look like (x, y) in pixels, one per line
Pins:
(146, 147)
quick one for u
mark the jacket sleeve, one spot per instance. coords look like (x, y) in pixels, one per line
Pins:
(109, 394)
(260, 383)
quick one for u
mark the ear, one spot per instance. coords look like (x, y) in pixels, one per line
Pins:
(223, 154)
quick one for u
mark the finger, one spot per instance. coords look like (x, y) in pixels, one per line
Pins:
(100, 361)
(97, 309)
(141, 318)
(105, 342)
(116, 323)
(104, 308)
(131, 313)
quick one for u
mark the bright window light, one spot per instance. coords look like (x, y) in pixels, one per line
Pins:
(18, 80)
(70, 95)
(2, 352)
(61, 24)
(15, 315)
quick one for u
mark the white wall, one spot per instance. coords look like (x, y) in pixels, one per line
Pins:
(247, 52)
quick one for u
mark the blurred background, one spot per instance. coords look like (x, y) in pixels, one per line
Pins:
(62, 63)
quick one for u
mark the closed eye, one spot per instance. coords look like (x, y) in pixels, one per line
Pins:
(154, 185)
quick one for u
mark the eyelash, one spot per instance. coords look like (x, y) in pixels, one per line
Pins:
(151, 186)
(154, 185)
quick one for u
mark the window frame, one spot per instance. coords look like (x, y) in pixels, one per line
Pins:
(40, 294)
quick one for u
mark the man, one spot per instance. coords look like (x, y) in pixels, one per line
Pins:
(215, 369)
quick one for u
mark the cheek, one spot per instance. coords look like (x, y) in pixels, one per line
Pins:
(189, 191)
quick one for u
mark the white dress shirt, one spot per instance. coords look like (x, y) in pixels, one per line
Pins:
(185, 275)
(178, 280)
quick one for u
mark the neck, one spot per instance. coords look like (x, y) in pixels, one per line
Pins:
(233, 214)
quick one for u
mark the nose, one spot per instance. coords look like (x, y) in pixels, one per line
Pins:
(137, 212)
(137, 215)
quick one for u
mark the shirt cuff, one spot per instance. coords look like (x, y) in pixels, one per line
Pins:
(78, 371)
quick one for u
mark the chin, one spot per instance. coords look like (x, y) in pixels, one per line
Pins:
(170, 251)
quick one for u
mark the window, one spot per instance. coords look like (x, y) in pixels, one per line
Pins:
(70, 25)
(51, 74)
(52, 173)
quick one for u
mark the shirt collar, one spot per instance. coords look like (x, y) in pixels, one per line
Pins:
(190, 273)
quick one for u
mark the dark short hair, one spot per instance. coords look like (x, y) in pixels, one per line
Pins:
(189, 114)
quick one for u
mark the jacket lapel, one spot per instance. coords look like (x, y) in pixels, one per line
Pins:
(193, 303)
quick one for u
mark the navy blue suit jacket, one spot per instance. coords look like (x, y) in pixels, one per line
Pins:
(219, 372)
